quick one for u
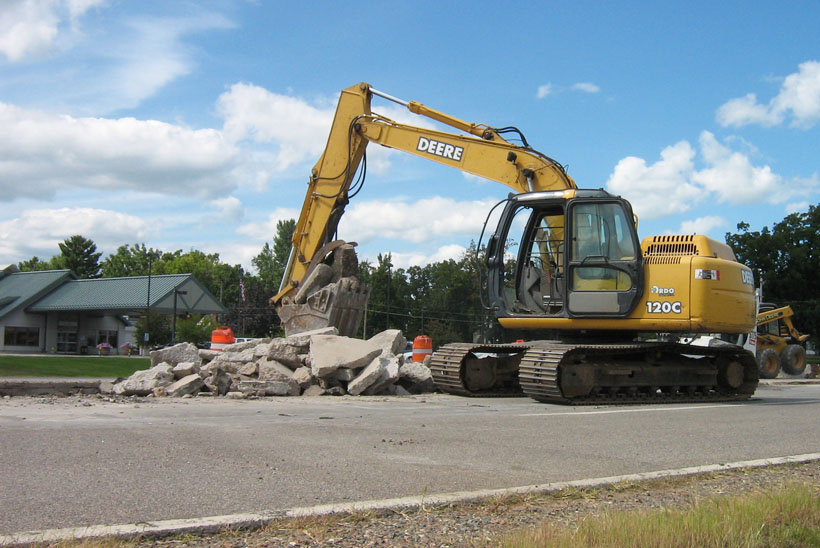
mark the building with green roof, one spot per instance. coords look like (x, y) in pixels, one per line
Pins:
(53, 311)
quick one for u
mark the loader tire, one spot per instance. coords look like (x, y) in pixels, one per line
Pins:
(769, 363)
(793, 359)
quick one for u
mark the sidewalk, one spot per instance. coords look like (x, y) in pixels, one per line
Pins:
(42, 386)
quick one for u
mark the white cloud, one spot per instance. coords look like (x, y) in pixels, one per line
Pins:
(27, 28)
(674, 185)
(416, 222)
(265, 231)
(702, 225)
(660, 189)
(586, 87)
(415, 258)
(799, 98)
(544, 91)
(797, 207)
(733, 178)
(44, 153)
(38, 231)
(230, 209)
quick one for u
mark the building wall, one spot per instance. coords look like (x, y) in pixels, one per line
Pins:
(68, 332)
(19, 318)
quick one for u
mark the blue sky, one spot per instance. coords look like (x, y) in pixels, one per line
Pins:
(195, 124)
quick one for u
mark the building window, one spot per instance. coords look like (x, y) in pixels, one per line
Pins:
(107, 336)
(22, 336)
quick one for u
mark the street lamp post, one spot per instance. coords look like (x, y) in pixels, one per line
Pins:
(174, 327)
(389, 283)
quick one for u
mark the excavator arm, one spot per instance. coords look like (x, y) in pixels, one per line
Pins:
(483, 152)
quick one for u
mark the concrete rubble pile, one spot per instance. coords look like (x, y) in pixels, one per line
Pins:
(313, 363)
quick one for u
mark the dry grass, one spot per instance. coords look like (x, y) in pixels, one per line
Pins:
(787, 517)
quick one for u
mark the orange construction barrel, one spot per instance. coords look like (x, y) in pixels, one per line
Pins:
(221, 337)
(422, 347)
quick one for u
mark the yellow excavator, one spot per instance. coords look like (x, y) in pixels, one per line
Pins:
(578, 272)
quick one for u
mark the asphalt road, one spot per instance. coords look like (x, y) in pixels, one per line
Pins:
(82, 461)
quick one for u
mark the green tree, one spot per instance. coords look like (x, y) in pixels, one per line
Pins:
(80, 255)
(159, 329)
(35, 264)
(272, 260)
(131, 261)
(196, 328)
(786, 259)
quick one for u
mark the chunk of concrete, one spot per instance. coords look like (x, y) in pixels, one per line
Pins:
(320, 276)
(415, 372)
(367, 377)
(264, 388)
(345, 262)
(417, 378)
(207, 355)
(143, 382)
(272, 370)
(242, 356)
(249, 369)
(219, 382)
(303, 377)
(388, 376)
(245, 345)
(314, 390)
(284, 352)
(183, 369)
(303, 339)
(392, 341)
(191, 384)
(345, 375)
(329, 353)
(182, 352)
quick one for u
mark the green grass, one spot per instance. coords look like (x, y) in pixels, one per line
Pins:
(65, 366)
(787, 517)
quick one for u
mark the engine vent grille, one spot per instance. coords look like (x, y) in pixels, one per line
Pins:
(675, 246)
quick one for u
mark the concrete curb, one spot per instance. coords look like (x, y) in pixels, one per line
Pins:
(253, 521)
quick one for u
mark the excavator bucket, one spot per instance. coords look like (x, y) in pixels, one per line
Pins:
(341, 304)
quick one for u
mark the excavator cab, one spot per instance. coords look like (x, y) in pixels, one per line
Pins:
(578, 256)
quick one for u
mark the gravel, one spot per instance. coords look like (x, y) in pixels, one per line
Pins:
(482, 524)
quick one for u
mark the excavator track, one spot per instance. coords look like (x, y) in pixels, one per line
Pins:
(594, 374)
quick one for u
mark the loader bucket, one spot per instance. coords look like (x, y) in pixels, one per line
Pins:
(341, 304)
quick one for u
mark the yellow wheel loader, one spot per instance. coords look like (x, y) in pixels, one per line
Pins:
(577, 271)
(779, 343)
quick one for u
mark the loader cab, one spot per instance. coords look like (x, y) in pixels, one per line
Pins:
(565, 254)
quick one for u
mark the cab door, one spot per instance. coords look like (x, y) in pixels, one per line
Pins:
(604, 273)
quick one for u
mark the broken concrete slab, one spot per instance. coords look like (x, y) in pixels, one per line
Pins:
(182, 352)
(303, 339)
(219, 382)
(244, 345)
(320, 276)
(391, 341)
(289, 354)
(264, 388)
(329, 353)
(390, 374)
(183, 369)
(143, 382)
(314, 390)
(367, 377)
(191, 384)
(303, 377)
(272, 370)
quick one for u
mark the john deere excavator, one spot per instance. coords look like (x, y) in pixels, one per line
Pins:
(578, 270)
